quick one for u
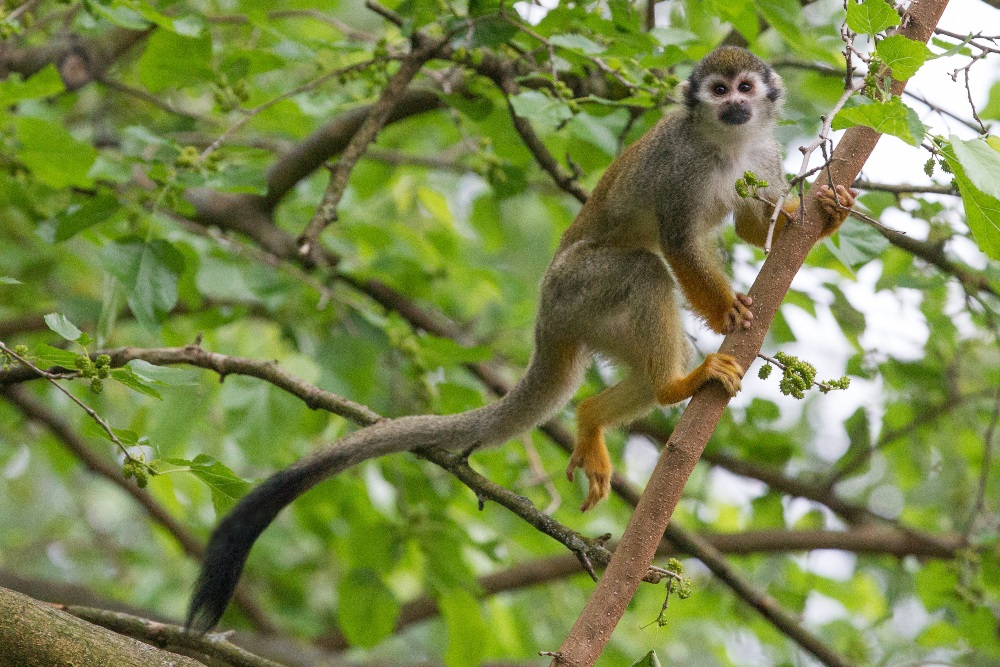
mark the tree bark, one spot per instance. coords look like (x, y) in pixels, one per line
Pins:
(635, 552)
(34, 634)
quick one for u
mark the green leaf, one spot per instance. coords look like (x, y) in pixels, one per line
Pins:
(594, 130)
(648, 660)
(226, 487)
(121, 16)
(128, 378)
(786, 17)
(149, 273)
(857, 244)
(367, 609)
(77, 217)
(992, 108)
(892, 117)
(62, 326)
(539, 107)
(982, 210)
(983, 213)
(463, 620)
(871, 16)
(175, 61)
(242, 178)
(858, 431)
(952, 49)
(7, 280)
(166, 376)
(43, 83)
(48, 356)
(92, 429)
(904, 56)
(577, 43)
(980, 162)
(52, 155)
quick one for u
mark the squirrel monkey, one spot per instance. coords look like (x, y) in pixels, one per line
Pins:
(650, 223)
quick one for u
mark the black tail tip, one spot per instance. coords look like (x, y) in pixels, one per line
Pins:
(204, 613)
(212, 593)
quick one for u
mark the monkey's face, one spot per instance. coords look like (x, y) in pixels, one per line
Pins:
(735, 100)
(730, 88)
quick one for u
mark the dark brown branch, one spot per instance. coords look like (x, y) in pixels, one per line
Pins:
(933, 253)
(869, 540)
(903, 189)
(79, 61)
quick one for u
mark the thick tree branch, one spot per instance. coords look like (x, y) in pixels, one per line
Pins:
(212, 647)
(35, 634)
(606, 605)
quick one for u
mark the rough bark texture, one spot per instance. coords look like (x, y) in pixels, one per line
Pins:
(34, 634)
(635, 552)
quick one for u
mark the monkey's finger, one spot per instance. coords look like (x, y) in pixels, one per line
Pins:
(571, 469)
(744, 299)
(600, 487)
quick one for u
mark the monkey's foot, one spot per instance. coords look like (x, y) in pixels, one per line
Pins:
(591, 454)
(738, 316)
(726, 370)
(836, 207)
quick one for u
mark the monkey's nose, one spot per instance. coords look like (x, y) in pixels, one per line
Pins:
(735, 113)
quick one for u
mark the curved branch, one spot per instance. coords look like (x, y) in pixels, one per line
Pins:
(79, 61)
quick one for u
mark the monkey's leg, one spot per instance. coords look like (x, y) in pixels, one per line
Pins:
(720, 367)
(622, 403)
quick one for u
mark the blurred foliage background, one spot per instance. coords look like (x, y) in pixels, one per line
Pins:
(158, 161)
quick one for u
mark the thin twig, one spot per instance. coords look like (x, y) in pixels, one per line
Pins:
(807, 152)
(985, 469)
(54, 379)
(251, 113)
(340, 173)
(22, 9)
(903, 188)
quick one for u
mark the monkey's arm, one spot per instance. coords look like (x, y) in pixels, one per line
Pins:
(696, 266)
(753, 218)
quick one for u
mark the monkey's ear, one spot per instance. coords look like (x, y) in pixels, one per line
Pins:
(681, 90)
(775, 86)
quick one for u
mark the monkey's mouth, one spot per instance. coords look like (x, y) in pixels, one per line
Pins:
(735, 114)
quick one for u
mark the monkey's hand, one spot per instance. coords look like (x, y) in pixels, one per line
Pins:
(724, 369)
(737, 317)
(591, 454)
(837, 207)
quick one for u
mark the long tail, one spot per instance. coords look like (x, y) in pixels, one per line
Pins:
(549, 382)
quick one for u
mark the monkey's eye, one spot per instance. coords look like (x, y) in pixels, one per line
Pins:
(720, 89)
(745, 87)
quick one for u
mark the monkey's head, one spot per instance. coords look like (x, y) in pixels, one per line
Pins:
(731, 87)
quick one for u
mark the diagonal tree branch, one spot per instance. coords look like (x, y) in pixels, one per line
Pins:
(391, 95)
(606, 605)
